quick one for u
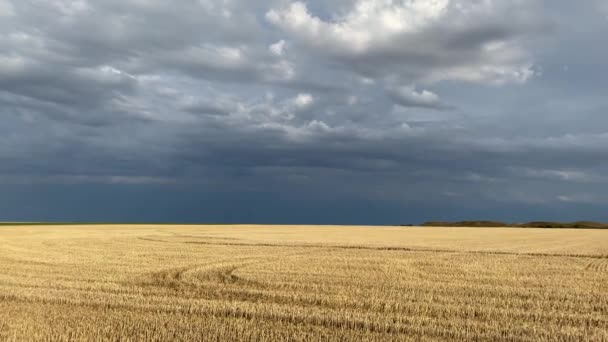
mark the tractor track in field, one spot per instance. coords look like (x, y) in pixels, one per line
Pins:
(377, 248)
(220, 272)
(598, 265)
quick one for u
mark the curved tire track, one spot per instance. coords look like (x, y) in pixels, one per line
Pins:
(598, 265)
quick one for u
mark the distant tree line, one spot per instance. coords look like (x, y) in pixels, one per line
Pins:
(534, 224)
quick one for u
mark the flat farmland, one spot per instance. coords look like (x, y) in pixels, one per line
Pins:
(302, 283)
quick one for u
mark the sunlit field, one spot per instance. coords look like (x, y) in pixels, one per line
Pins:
(302, 283)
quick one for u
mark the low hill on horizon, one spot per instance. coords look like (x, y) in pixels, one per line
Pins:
(533, 224)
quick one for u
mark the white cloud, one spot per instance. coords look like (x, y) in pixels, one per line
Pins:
(408, 96)
(319, 126)
(217, 62)
(483, 74)
(419, 41)
(6, 8)
(278, 48)
(367, 81)
(281, 71)
(221, 57)
(578, 198)
(106, 75)
(71, 7)
(11, 65)
(562, 175)
(303, 101)
(357, 32)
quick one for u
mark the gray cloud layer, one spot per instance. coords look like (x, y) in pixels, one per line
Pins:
(399, 102)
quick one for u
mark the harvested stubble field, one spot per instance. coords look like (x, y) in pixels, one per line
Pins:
(306, 283)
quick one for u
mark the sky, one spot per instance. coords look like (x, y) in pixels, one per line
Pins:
(281, 111)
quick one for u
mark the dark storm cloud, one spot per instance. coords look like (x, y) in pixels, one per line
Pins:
(438, 104)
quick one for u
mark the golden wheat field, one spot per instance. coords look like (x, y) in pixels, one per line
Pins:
(302, 283)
